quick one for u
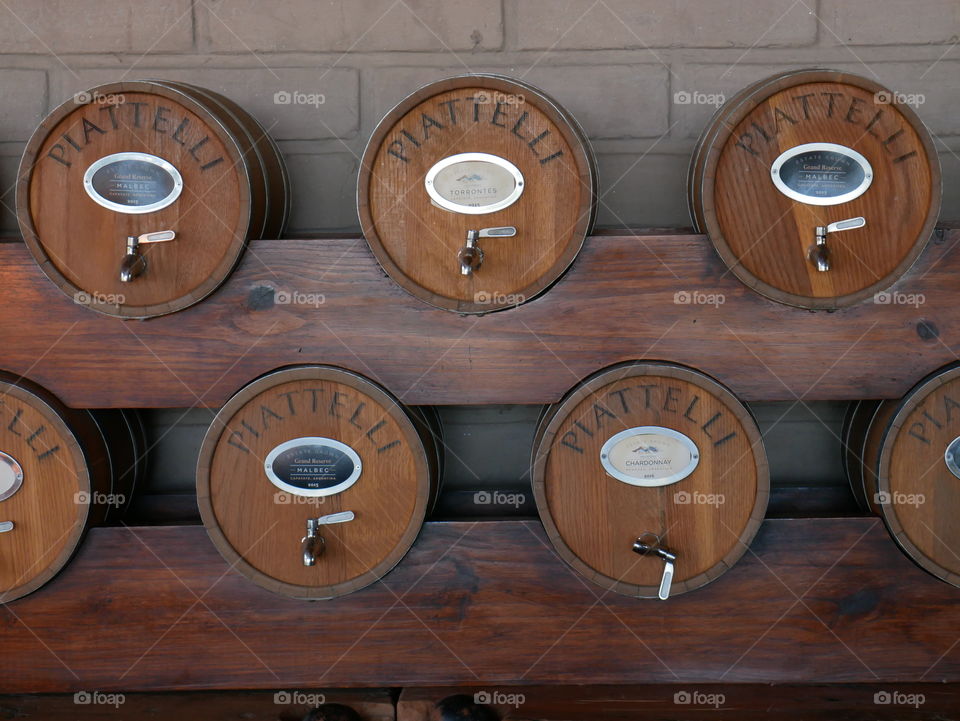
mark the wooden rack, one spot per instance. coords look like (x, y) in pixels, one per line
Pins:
(816, 600)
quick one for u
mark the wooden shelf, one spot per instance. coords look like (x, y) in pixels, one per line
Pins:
(152, 608)
(616, 303)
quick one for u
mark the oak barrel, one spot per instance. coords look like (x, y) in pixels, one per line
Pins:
(109, 171)
(61, 471)
(476, 192)
(910, 471)
(656, 453)
(316, 442)
(783, 165)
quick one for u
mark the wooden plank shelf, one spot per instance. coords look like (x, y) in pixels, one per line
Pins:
(157, 608)
(616, 303)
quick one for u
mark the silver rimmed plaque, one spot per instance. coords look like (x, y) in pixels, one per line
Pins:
(474, 183)
(649, 456)
(313, 466)
(11, 476)
(132, 182)
(821, 173)
(952, 457)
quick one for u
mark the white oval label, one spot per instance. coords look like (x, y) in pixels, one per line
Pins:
(474, 183)
(313, 466)
(649, 456)
(821, 173)
(11, 476)
(132, 183)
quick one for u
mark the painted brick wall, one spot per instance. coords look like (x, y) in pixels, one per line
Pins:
(620, 66)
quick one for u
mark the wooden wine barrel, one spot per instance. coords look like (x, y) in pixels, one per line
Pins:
(861, 436)
(61, 471)
(911, 471)
(655, 452)
(129, 159)
(801, 151)
(474, 153)
(309, 442)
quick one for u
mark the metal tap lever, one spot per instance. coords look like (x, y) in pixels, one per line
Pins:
(649, 545)
(6, 526)
(312, 545)
(135, 264)
(471, 255)
(819, 252)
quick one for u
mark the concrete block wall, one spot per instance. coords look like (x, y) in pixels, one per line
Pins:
(625, 68)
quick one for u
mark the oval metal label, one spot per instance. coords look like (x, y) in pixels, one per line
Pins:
(474, 183)
(952, 457)
(133, 182)
(649, 456)
(313, 466)
(11, 476)
(821, 173)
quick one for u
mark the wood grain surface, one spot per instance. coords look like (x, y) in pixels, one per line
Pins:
(765, 237)
(326, 301)
(417, 241)
(817, 600)
(259, 527)
(707, 519)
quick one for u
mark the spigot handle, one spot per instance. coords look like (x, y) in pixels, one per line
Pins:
(819, 253)
(848, 224)
(133, 264)
(649, 544)
(471, 254)
(341, 517)
(158, 237)
(507, 231)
